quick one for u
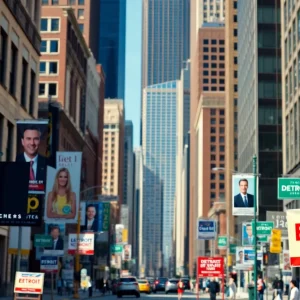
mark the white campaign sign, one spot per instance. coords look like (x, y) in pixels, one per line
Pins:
(85, 245)
(29, 283)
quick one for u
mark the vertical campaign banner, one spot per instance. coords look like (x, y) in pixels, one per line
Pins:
(206, 229)
(91, 217)
(106, 216)
(31, 144)
(243, 195)
(293, 219)
(119, 233)
(57, 233)
(127, 252)
(63, 188)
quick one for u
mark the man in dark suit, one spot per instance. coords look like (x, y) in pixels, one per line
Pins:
(243, 199)
(58, 243)
(248, 239)
(91, 222)
(31, 139)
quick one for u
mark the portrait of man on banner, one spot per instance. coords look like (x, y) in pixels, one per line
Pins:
(91, 217)
(57, 232)
(243, 195)
(31, 145)
(247, 233)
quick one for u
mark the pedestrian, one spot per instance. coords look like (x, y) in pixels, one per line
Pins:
(294, 293)
(231, 289)
(278, 288)
(213, 289)
(260, 287)
(180, 289)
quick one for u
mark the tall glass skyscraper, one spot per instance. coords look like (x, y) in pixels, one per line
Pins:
(165, 49)
(112, 46)
(159, 153)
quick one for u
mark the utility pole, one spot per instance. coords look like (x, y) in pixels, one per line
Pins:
(254, 166)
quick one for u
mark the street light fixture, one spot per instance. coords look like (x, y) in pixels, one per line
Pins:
(256, 175)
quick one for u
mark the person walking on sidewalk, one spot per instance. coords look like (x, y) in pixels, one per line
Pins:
(294, 293)
(278, 288)
(260, 288)
(213, 289)
(180, 289)
(232, 289)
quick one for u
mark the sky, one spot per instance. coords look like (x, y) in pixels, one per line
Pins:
(133, 67)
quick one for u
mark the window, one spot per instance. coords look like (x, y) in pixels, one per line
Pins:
(221, 139)
(205, 73)
(212, 121)
(212, 139)
(54, 24)
(44, 2)
(205, 49)
(222, 121)
(235, 18)
(221, 176)
(212, 176)
(212, 186)
(222, 148)
(55, 2)
(212, 195)
(213, 80)
(42, 67)
(221, 57)
(222, 186)
(235, 60)
(47, 89)
(213, 130)
(212, 157)
(205, 65)
(222, 50)
(235, 74)
(205, 80)
(48, 68)
(222, 81)
(80, 2)
(13, 69)
(81, 27)
(50, 46)
(214, 57)
(71, 2)
(235, 32)
(212, 111)
(212, 148)
(222, 157)
(214, 66)
(24, 83)
(221, 42)
(235, 46)
(205, 42)
(214, 42)
(44, 24)
(205, 57)
(3, 55)
(222, 130)
(80, 13)
(213, 49)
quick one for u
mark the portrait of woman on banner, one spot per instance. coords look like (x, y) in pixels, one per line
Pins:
(61, 201)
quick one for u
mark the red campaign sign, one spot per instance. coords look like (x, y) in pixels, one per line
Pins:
(210, 267)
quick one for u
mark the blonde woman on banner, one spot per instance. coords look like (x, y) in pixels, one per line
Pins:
(61, 201)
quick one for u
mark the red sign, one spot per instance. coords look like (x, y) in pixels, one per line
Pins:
(210, 267)
(297, 228)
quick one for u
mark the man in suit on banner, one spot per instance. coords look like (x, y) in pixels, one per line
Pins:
(91, 218)
(31, 138)
(248, 238)
(58, 242)
(243, 199)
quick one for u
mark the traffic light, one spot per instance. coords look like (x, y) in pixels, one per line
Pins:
(275, 245)
(266, 258)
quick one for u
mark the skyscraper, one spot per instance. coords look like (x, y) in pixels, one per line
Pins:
(165, 40)
(259, 100)
(112, 46)
(159, 154)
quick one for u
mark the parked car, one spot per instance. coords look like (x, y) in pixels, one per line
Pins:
(171, 285)
(151, 282)
(144, 286)
(159, 284)
(187, 283)
(128, 286)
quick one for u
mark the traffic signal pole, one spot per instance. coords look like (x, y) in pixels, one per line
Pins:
(254, 166)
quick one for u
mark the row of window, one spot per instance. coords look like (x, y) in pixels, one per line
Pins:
(213, 89)
(56, 2)
(213, 186)
(213, 42)
(213, 49)
(213, 73)
(49, 46)
(214, 157)
(213, 139)
(47, 89)
(49, 68)
(213, 112)
(292, 80)
(213, 81)
(213, 148)
(213, 130)
(213, 57)
(214, 66)
(13, 68)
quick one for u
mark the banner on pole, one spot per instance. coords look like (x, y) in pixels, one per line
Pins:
(210, 267)
(293, 219)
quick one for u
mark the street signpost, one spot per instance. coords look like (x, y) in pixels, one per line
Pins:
(232, 248)
(264, 228)
(49, 264)
(115, 248)
(288, 188)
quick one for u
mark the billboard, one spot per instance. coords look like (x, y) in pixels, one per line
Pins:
(293, 219)
(85, 243)
(287, 270)
(57, 233)
(126, 252)
(279, 219)
(119, 233)
(245, 257)
(210, 267)
(243, 195)
(63, 188)
(206, 229)
(31, 145)
(17, 207)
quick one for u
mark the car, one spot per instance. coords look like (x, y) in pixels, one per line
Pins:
(159, 284)
(171, 285)
(186, 282)
(151, 282)
(144, 286)
(128, 286)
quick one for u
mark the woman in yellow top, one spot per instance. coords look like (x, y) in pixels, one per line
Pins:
(62, 201)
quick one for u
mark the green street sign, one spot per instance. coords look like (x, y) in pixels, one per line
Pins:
(262, 239)
(263, 228)
(232, 248)
(116, 248)
(42, 240)
(288, 188)
(222, 242)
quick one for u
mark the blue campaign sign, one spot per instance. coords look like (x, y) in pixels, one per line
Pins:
(49, 264)
(100, 216)
(206, 229)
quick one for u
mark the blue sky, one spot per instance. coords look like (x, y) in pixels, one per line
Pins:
(133, 66)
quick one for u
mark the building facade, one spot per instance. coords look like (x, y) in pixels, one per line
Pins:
(113, 153)
(112, 38)
(19, 62)
(87, 14)
(159, 154)
(182, 199)
(259, 101)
